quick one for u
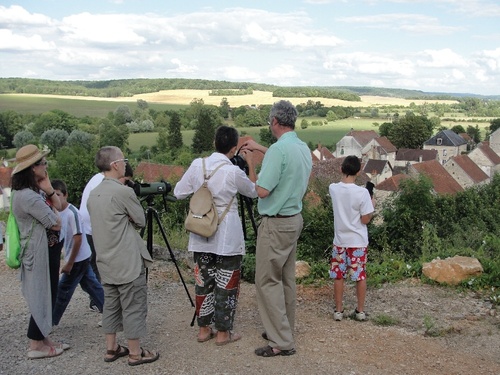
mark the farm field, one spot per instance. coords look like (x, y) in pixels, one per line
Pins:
(172, 99)
(328, 134)
(76, 106)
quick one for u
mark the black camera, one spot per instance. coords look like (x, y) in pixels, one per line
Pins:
(238, 160)
(152, 188)
(369, 186)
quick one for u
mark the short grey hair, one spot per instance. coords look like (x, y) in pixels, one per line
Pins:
(285, 113)
(105, 156)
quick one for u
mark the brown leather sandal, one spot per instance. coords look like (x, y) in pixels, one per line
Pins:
(146, 356)
(118, 353)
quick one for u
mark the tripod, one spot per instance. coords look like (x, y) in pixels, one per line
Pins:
(150, 214)
(248, 202)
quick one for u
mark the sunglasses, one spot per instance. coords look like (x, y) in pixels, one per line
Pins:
(116, 161)
(41, 162)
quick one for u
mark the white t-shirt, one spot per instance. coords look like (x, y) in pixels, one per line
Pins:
(71, 226)
(84, 212)
(350, 202)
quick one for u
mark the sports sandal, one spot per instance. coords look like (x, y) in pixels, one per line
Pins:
(232, 338)
(210, 336)
(145, 357)
(267, 351)
(118, 353)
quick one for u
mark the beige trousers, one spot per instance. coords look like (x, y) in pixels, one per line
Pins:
(275, 278)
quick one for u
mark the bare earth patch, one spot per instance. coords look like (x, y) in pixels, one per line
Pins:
(467, 341)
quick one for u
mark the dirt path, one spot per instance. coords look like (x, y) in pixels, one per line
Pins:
(469, 340)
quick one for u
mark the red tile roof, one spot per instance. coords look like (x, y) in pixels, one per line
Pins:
(411, 154)
(152, 172)
(488, 151)
(375, 166)
(442, 181)
(392, 183)
(386, 144)
(471, 168)
(323, 152)
(329, 170)
(363, 136)
(5, 173)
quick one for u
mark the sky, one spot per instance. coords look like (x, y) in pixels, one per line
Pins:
(450, 46)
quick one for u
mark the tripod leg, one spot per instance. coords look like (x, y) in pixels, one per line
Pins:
(172, 256)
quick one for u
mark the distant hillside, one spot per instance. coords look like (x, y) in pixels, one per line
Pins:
(130, 87)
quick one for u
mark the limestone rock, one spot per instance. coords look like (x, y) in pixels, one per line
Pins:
(302, 269)
(452, 271)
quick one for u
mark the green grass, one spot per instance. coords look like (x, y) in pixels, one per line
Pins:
(327, 135)
(75, 107)
(384, 320)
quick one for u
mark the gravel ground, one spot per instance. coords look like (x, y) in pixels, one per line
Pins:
(438, 331)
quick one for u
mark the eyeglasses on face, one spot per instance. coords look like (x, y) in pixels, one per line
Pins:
(41, 162)
(116, 161)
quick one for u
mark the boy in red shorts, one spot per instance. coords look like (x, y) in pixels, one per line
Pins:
(352, 211)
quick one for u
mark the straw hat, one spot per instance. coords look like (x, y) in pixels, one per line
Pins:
(26, 156)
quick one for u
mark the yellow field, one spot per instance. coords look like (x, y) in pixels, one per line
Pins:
(257, 98)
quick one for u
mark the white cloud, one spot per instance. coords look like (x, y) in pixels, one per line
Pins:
(115, 30)
(240, 73)
(181, 68)
(444, 58)
(13, 42)
(283, 71)
(369, 64)
(412, 23)
(17, 15)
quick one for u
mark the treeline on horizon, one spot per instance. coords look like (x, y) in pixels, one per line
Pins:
(129, 87)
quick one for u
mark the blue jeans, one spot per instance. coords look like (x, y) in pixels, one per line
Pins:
(82, 274)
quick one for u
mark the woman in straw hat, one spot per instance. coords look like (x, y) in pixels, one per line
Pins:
(33, 201)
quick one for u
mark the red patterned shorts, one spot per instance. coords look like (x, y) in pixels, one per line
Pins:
(348, 262)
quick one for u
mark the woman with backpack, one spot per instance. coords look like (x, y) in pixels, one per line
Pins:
(218, 258)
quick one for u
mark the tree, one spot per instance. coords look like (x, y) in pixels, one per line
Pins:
(266, 137)
(458, 129)
(112, 135)
(54, 139)
(474, 133)
(403, 218)
(385, 129)
(161, 120)
(224, 108)
(23, 138)
(10, 124)
(494, 125)
(162, 140)
(203, 138)
(331, 116)
(122, 115)
(142, 104)
(174, 138)
(410, 131)
(253, 118)
(75, 166)
(81, 139)
(55, 119)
